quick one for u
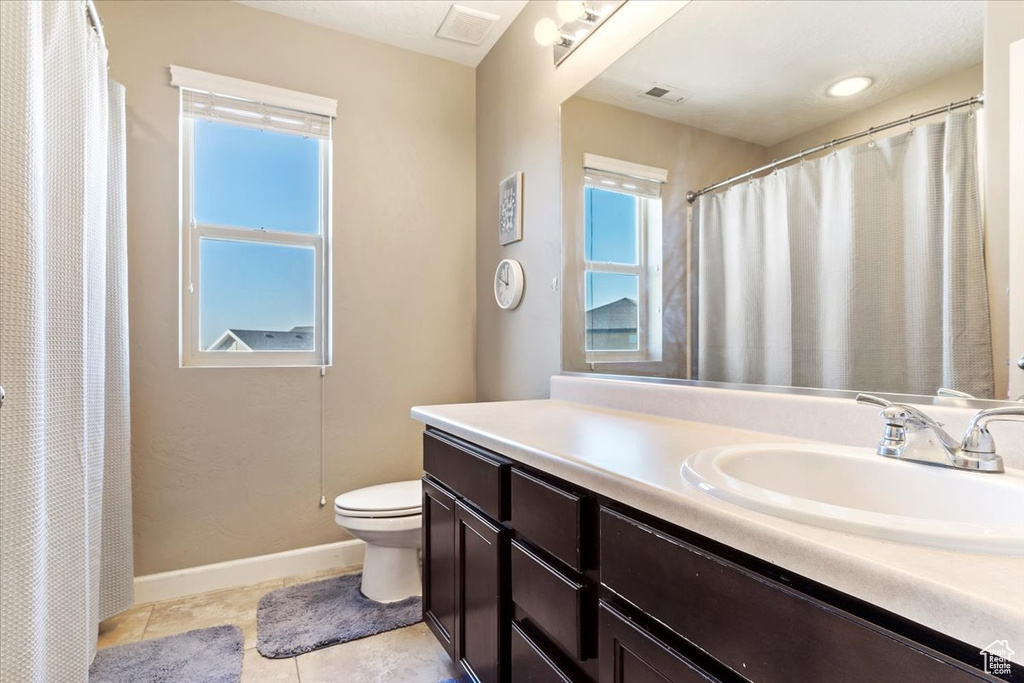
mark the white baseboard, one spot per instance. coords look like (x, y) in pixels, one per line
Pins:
(210, 577)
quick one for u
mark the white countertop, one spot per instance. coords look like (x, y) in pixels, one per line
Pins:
(634, 458)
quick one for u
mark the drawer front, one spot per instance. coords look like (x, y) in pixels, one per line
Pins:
(760, 629)
(629, 654)
(548, 516)
(530, 664)
(479, 477)
(553, 602)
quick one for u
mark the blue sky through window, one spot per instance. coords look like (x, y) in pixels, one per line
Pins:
(254, 286)
(250, 178)
(611, 236)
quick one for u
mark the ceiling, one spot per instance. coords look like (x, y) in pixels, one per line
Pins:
(408, 24)
(757, 70)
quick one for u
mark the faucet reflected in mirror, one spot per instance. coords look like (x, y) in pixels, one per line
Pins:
(912, 435)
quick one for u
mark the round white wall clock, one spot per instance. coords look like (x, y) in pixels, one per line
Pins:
(508, 283)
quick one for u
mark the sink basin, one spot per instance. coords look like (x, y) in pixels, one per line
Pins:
(857, 491)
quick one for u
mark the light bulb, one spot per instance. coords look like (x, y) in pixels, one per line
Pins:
(571, 10)
(849, 86)
(546, 32)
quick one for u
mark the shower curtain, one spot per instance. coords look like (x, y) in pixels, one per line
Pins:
(65, 486)
(860, 270)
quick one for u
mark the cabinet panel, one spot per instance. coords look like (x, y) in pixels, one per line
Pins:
(553, 602)
(548, 516)
(760, 629)
(530, 664)
(478, 476)
(481, 616)
(629, 654)
(439, 564)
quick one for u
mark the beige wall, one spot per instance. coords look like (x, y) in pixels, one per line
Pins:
(953, 88)
(225, 462)
(1004, 24)
(518, 96)
(694, 159)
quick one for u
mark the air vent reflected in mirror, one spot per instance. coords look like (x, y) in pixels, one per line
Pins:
(666, 94)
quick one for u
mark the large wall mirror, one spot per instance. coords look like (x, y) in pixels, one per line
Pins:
(701, 243)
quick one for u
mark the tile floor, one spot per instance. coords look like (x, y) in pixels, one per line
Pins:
(407, 655)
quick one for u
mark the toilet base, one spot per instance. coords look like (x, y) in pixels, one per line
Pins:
(391, 574)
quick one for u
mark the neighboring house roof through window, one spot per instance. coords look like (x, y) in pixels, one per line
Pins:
(616, 316)
(295, 339)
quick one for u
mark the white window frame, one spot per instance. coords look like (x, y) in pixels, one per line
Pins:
(648, 272)
(191, 352)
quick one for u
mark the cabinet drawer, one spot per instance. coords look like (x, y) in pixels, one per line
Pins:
(759, 628)
(553, 602)
(629, 654)
(472, 473)
(548, 516)
(530, 664)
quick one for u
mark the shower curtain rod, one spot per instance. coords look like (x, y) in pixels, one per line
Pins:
(94, 19)
(691, 197)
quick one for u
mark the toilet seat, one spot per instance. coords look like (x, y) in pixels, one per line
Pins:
(398, 499)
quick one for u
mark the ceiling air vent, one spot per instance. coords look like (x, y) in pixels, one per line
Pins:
(466, 25)
(666, 94)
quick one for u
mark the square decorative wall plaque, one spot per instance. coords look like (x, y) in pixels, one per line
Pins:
(510, 209)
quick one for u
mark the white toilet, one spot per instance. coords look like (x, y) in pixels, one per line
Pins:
(388, 519)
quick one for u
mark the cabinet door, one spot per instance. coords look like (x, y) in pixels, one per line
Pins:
(630, 654)
(481, 556)
(439, 564)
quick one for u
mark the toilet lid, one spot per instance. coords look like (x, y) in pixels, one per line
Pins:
(399, 499)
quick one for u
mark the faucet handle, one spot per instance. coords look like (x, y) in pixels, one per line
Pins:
(898, 413)
(869, 400)
(977, 439)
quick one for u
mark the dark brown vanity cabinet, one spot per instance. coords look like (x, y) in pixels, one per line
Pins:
(629, 654)
(439, 564)
(528, 579)
(480, 621)
(465, 554)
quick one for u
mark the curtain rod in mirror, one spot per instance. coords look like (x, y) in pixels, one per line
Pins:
(691, 197)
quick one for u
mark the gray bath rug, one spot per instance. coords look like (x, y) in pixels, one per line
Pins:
(298, 619)
(206, 655)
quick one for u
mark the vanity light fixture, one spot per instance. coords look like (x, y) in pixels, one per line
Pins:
(579, 20)
(546, 32)
(575, 10)
(849, 86)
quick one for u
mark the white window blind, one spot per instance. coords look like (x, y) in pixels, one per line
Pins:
(239, 112)
(620, 183)
(623, 176)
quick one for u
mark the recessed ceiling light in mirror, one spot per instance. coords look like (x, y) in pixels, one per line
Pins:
(849, 86)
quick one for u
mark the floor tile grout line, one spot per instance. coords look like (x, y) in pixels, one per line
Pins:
(149, 617)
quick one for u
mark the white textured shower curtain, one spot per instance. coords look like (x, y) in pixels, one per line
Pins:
(861, 270)
(65, 484)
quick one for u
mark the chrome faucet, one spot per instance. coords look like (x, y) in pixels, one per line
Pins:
(911, 435)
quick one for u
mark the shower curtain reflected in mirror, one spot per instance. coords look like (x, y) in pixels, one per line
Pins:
(861, 270)
(65, 483)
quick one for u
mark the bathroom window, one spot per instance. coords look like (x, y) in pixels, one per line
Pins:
(622, 267)
(255, 206)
